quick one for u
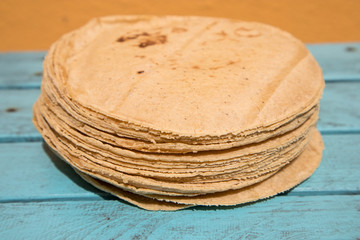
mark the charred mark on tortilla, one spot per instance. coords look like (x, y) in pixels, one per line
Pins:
(132, 36)
(145, 39)
(146, 43)
(159, 39)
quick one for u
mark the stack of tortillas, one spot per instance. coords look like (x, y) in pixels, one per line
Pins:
(172, 112)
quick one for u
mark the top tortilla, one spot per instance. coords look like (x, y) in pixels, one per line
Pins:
(188, 76)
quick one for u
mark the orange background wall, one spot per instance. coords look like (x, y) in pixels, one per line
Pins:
(35, 24)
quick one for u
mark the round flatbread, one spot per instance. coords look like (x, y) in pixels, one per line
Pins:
(191, 77)
(170, 112)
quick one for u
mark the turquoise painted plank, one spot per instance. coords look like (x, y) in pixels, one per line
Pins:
(313, 217)
(21, 69)
(30, 172)
(339, 62)
(340, 108)
(16, 115)
(339, 170)
(340, 111)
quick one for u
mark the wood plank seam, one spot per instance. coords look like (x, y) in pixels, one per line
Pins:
(108, 197)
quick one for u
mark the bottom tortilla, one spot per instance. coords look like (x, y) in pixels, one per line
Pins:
(288, 177)
(138, 200)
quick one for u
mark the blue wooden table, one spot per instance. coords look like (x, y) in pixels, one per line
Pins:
(42, 198)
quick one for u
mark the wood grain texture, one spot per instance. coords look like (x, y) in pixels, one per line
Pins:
(312, 217)
(16, 115)
(36, 24)
(339, 169)
(30, 171)
(21, 69)
(340, 108)
(53, 179)
(338, 61)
